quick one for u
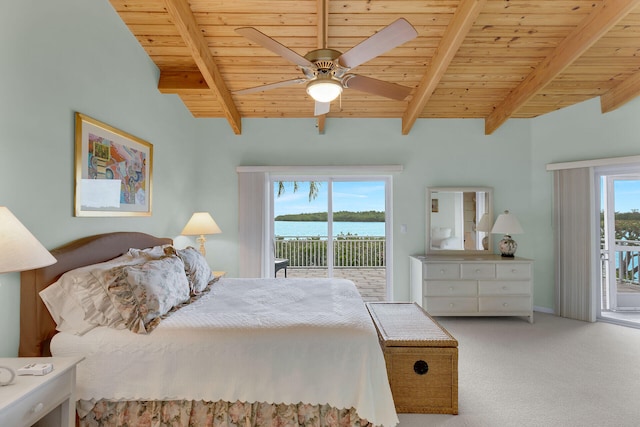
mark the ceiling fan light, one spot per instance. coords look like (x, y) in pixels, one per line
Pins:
(324, 90)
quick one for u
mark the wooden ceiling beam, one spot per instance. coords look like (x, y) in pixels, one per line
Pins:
(455, 33)
(185, 22)
(619, 95)
(182, 83)
(601, 19)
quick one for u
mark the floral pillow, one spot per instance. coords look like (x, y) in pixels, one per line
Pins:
(143, 293)
(155, 252)
(77, 302)
(196, 267)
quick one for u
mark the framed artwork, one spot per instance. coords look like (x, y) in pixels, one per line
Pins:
(113, 171)
(434, 205)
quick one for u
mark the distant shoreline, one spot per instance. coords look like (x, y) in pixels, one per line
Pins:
(341, 216)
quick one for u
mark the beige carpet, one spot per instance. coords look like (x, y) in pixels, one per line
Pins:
(555, 372)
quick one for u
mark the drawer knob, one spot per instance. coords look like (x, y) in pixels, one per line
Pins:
(513, 270)
(421, 367)
(38, 408)
(477, 270)
(504, 304)
(451, 305)
(442, 271)
(504, 288)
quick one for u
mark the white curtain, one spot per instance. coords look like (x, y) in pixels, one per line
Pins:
(574, 243)
(253, 203)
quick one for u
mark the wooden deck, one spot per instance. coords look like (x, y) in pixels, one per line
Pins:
(371, 282)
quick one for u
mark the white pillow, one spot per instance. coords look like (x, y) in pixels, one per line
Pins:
(66, 312)
(440, 233)
(79, 290)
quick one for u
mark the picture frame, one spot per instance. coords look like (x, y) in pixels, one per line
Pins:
(434, 205)
(113, 170)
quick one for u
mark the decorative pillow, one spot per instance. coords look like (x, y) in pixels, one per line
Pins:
(78, 290)
(198, 271)
(143, 293)
(155, 252)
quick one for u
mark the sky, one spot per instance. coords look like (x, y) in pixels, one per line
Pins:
(627, 194)
(352, 196)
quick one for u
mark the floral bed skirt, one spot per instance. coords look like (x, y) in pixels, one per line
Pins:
(219, 414)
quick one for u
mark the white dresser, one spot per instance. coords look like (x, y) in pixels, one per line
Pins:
(477, 285)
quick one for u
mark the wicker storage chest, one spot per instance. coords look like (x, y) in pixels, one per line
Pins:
(421, 358)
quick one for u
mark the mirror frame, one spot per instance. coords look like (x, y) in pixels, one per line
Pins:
(428, 211)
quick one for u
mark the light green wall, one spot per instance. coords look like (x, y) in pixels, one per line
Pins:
(76, 55)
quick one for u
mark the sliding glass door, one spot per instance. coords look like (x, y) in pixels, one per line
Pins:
(328, 226)
(620, 220)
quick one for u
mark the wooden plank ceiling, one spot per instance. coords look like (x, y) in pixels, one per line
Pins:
(489, 59)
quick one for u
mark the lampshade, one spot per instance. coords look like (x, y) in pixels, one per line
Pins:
(324, 89)
(19, 249)
(507, 224)
(484, 224)
(200, 223)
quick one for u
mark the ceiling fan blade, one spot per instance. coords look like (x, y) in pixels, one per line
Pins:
(376, 87)
(394, 34)
(275, 47)
(321, 108)
(269, 86)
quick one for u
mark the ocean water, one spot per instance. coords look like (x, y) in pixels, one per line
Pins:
(317, 228)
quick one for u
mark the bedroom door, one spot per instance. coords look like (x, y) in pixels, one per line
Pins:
(327, 226)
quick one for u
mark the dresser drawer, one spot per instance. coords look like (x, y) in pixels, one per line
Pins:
(442, 271)
(40, 402)
(505, 287)
(513, 271)
(452, 288)
(504, 304)
(478, 271)
(437, 305)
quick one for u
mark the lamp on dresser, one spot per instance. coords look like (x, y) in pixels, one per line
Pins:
(201, 223)
(507, 224)
(484, 226)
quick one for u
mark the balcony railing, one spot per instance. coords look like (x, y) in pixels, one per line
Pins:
(627, 258)
(348, 251)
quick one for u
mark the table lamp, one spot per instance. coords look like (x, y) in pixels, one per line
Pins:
(484, 226)
(19, 251)
(507, 224)
(201, 223)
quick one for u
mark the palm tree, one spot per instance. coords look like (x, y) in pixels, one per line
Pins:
(314, 187)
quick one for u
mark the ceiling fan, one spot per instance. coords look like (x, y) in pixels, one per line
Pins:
(326, 71)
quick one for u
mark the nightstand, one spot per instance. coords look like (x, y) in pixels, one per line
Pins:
(50, 398)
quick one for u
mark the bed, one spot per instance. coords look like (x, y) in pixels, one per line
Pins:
(239, 352)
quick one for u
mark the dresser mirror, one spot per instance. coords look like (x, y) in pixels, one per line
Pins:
(459, 220)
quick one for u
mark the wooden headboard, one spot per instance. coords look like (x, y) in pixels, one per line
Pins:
(36, 325)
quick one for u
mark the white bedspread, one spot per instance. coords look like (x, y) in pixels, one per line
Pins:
(253, 340)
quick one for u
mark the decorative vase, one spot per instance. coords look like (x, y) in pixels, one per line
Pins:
(507, 246)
